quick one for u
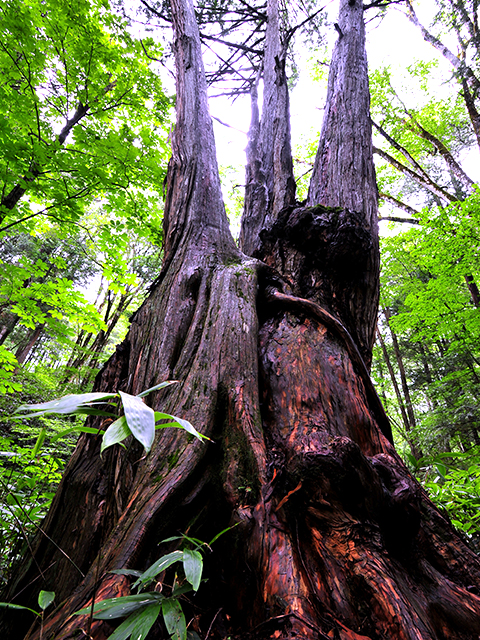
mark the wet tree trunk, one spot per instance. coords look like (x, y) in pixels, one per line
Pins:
(334, 538)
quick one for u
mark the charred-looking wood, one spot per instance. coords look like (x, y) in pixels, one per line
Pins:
(324, 253)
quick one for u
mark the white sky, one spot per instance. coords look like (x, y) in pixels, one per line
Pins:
(394, 41)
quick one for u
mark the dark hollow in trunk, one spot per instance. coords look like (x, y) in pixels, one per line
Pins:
(335, 539)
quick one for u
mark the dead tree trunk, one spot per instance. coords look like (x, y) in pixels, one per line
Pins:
(334, 538)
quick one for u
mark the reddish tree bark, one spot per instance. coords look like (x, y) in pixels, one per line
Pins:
(334, 538)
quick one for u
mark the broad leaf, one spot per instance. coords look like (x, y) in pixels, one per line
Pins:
(193, 567)
(174, 619)
(157, 567)
(145, 621)
(137, 620)
(45, 599)
(120, 607)
(179, 591)
(64, 405)
(140, 419)
(127, 572)
(116, 433)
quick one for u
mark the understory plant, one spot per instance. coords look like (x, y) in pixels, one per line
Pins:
(29, 476)
(143, 608)
(452, 480)
(138, 419)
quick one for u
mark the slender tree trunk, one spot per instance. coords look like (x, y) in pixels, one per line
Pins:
(403, 378)
(334, 538)
(401, 405)
(270, 185)
(102, 338)
(9, 322)
(473, 290)
(24, 349)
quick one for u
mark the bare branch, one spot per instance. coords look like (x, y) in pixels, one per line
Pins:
(406, 154)
(395, 219)
(427, 183)
(401, 205)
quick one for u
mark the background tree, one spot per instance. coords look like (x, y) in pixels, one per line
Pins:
(334, 537)
(76, 121)
(426, 141)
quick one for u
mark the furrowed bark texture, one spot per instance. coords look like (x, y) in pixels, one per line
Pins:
(334, 538)
(270, 185)
(344, 176)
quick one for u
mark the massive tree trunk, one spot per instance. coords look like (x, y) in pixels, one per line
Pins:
(334, 538)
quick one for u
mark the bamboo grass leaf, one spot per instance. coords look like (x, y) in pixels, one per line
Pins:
(140, 419)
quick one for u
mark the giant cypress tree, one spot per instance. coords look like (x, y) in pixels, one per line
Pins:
(272, 346)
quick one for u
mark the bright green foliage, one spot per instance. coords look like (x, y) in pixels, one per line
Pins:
(425, 269)
(83, 150)
(425, 137)
(27, 487)
(8, 363)
(81, 113)
(420, 112)
(453, 482)
(27, 473)
(437, 324)
(30, 472)
(39, 276)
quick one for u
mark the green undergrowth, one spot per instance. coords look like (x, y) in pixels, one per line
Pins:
(29, 479)
(452, 480)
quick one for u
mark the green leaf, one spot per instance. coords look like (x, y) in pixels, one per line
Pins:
(39, 442)
(64, 405)
(127, 572)
(162, 385)
(82, 429)
(157, 567)
(120, 607)
(137, 623)
(441, 468)
(193, 567)
(8, 605)
(140, 419)
(221, 533)
(182, 424)
(116, 432)
(174, 619)
(184, 588)
(145, 621)
(45, 599)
